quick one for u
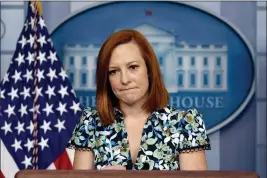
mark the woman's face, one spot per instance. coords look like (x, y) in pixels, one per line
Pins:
(128, 75)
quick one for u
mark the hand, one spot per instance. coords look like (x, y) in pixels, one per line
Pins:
(118, 167)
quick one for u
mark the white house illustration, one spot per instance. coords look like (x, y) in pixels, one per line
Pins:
(185, 67)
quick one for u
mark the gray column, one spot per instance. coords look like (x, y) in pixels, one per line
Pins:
(261, 90)
(238, 139)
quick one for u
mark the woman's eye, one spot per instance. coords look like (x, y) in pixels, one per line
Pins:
(133, 67)
(112, 72)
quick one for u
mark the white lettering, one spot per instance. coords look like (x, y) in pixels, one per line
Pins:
(187, 102)
(210, 102)
(219, 102)
(197, 102)
(216, 102)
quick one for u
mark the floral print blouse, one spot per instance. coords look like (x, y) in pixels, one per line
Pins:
(166, 133)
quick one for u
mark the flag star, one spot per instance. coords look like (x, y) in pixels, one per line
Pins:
(27, 161)
(10, 110)
(63, 91)
(16, 76)
(72, 91)
(61, 108)
(20, 127)
(60, 125)
(48, 109)
(6, 79)
(32, 7)
(31, 40)
(41, 22)
(20, 59)
(46, 126)
(37, 107)
(52, 74)
(23, 110)
(41, 57)
(26, 92)
(23, 42)
(40, 75)
(26, 25)
(29, 144)
(7, 128)
(38, 91)
(28, 75)
(32, 23)
(30, 127)
(2, 94)
(52, 57)
(50, 91)
(50, 41)
(43, 143)
(75, 107)
(16, 145)
(63, 74)
(42, 40)
(30, 58)
(13, 94)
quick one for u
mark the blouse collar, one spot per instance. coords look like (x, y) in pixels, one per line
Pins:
(167, 109)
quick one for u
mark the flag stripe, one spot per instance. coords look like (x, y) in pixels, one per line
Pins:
(1, 174)
(51, 167)
(70, 154)
(8, 165)
(63, 161)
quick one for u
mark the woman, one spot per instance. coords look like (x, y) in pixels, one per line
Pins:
(133, 127)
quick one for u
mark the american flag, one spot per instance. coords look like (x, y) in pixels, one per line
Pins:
(36, 79)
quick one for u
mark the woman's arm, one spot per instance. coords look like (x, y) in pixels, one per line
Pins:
(195, 160)
(83, 160)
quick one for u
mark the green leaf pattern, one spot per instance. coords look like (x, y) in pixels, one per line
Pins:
(167, 133)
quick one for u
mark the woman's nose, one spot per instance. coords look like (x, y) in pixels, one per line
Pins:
(125, 78)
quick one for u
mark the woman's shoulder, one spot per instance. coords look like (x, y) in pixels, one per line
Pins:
(175, 114)
(83, 137)
(188, 128)
(90, 114)
(170, 110)
(88, 111)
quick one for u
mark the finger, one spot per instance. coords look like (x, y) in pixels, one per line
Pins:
(117, 167)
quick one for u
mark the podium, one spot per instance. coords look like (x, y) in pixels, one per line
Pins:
(132, 174)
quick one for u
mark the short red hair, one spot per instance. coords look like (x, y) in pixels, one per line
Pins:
(106, 101)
